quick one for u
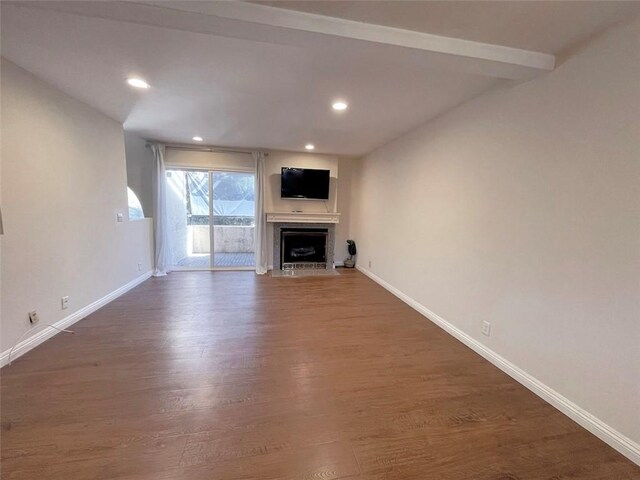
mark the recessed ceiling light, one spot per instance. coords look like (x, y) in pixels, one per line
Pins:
(137, 82)
(339, 106)
(309, 146)
(197, 139)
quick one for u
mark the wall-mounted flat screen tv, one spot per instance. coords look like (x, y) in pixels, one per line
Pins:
(304, 183)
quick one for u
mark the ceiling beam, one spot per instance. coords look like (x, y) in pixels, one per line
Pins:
(263, 23)
(308, 22)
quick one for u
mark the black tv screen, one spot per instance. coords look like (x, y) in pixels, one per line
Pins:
(304, 183)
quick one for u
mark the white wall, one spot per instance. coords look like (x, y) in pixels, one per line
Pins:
(273, 166)
(139, 170)
(348, 168)
(64, 179)
(521, 207)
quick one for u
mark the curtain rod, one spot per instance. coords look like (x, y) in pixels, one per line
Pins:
(195, 148)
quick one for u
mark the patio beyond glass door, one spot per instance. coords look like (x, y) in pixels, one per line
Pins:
(189, 219)
(211, 208)
(233, 219)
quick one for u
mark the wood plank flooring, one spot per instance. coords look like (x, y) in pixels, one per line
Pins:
(228, 375)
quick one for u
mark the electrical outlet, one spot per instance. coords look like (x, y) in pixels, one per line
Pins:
(33, 317)
(369, 263)
(119, 217)
(64, 303)
(486, 328)
(139, 266)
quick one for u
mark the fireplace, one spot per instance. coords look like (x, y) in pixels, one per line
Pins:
(303, 248)
(320, 231)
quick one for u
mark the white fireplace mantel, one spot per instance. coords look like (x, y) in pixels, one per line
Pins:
(302, 217)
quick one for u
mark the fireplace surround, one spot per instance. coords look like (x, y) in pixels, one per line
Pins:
(303, 246)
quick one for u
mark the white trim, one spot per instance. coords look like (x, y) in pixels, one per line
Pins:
(302, 217)
(46, 333)
(604, 432)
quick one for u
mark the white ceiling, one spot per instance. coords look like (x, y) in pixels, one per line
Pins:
(246, 78)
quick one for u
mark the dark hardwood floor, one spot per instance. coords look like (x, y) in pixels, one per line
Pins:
(227, 375)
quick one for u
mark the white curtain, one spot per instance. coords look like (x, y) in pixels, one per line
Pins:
(260, 219)
(160, 230)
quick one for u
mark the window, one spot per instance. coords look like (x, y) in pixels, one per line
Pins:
(135, 207)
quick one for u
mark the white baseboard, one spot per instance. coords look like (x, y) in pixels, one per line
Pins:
(46, 333)
(604, 432)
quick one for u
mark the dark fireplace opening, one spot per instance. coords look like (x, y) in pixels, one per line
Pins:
(303, 248)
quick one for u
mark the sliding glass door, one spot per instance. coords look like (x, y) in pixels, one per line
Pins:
(211, 219)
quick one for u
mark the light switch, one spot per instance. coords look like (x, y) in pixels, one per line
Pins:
(119, 217)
